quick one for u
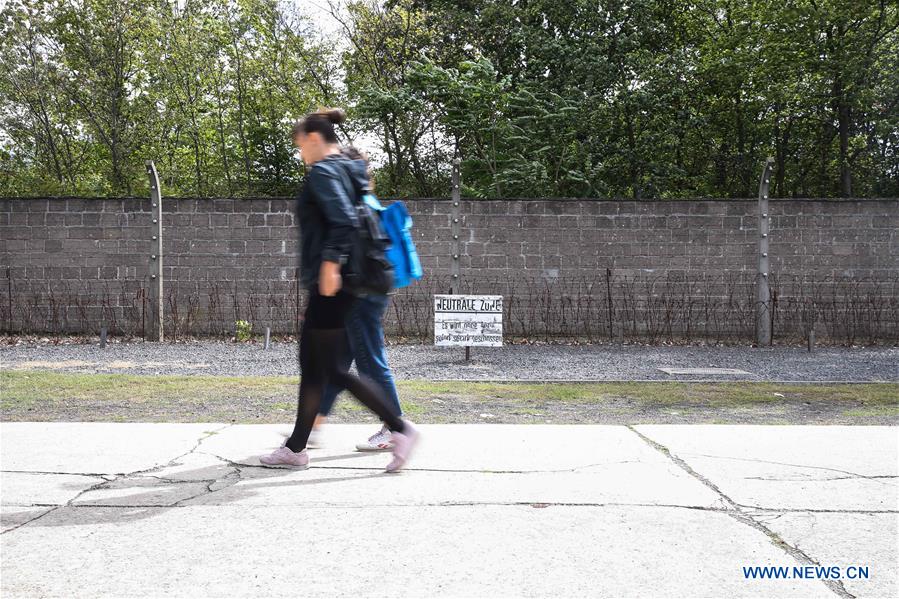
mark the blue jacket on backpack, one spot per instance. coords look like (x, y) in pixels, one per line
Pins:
(397, 223)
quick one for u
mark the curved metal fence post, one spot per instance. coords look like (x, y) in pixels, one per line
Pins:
(763, 306)
(156, 294)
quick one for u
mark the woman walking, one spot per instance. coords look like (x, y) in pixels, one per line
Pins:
(328, 230)
(365, 336)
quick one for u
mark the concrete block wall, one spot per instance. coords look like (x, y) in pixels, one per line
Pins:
(71, 264)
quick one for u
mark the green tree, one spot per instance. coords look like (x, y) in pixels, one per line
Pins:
(635, 98)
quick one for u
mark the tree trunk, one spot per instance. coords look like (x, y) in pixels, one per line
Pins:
(632, 146)
(845, 170)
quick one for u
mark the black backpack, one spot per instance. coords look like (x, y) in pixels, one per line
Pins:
(367, 269)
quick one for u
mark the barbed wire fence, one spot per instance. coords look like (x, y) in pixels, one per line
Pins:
(640, 307)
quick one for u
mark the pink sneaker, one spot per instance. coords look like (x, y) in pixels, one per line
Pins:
(283, 457)
(403, 443)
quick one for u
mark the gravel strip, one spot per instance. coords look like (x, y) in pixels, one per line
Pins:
(513, 362)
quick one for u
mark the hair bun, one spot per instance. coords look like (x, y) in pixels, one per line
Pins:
(335, 115)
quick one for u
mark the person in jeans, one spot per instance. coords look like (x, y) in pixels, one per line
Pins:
(365, 337)
(328, 229)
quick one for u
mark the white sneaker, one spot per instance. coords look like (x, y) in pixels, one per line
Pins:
(380, 441)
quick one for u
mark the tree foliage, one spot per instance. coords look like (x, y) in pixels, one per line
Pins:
(632, 98)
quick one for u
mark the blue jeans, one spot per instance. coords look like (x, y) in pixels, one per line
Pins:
(365, 334)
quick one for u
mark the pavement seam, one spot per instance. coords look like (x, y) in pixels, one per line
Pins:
(818, 480)
(312, 465)
(533, 504)
(210, 482)
(88, 474)
(851, 474)
(737, 513)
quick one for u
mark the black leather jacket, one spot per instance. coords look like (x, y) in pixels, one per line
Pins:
(326, 213)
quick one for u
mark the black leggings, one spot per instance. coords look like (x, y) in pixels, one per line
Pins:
(323, 347)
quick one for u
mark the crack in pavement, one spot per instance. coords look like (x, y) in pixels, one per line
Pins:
(135, 472)
(229, 480)
(58, 507)
(851, 474)
(815, 480)
(758, 510)
(108, 479)
(194, 448)
(29, 521)
(787, 510)
(741, 516)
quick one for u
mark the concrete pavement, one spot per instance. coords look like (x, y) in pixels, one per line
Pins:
(103, 510)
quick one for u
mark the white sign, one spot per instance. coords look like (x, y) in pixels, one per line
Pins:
(468, 320)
